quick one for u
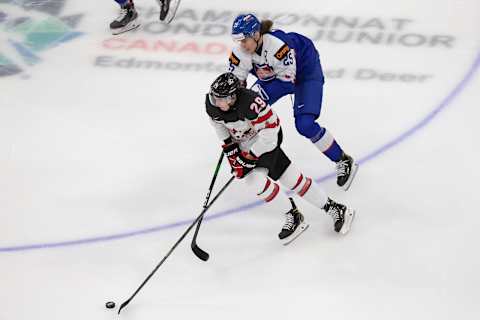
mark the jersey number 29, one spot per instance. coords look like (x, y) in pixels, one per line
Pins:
(258, 105)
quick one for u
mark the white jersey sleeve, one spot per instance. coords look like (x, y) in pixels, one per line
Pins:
(239, 63)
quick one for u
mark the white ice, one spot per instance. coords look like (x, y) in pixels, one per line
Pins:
(89, 151)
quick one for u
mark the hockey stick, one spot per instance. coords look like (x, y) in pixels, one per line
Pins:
(202, 255)
(125, 303)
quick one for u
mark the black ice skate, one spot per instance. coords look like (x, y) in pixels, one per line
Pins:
(126, 21)
(342, 216)
(168, 8)
(294, 226)
(346, 170)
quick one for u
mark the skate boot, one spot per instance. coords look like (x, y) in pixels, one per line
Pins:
(168, 8)
(294, 225)
(346, 170)
(342, 216)
(126, 21)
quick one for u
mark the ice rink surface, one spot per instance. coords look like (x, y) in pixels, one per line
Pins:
(106, 155)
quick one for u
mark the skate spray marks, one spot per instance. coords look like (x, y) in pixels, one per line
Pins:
(29, 28)
(373, 154)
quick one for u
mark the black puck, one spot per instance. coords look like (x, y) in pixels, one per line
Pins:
(110, 304)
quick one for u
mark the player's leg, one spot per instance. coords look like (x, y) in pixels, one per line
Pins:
(306, 188)
(274, 163)
(168, 9)
(307, 107)
(128, 18)
(269, 191)
(273, 90)
(281, 169)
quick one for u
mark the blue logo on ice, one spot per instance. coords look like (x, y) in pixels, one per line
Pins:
(30, 27)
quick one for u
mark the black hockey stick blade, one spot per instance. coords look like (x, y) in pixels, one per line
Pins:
(123, 305)
(201, 254)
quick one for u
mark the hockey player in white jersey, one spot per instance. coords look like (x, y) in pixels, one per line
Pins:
(288, 63)
(251, 135)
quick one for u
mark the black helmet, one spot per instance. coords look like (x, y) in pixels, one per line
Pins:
(225, 85)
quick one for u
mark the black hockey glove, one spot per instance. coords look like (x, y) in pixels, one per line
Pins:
(231, 151)
(243, 165)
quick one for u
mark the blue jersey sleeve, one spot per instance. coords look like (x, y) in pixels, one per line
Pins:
(307, 56)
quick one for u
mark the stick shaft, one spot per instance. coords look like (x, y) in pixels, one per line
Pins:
(194, 240)
(177, 243)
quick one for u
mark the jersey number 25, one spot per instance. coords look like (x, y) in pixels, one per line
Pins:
(288, 60)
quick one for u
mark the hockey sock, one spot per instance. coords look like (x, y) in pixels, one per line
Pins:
(307, 126)
(326, 143)
(304, 186)
(267, 190)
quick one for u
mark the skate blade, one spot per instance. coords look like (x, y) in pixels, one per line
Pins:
(132, 25)
(349, 217)
(300, 229)
(347, 184)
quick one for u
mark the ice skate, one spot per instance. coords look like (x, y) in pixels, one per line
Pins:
(346, 170)
(168, 9)
(126, 21)
(294, 225)
(342, 216)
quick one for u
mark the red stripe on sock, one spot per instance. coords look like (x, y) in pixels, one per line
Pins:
(274, 193)
(267, 184)
(305, 188)
(300, 178)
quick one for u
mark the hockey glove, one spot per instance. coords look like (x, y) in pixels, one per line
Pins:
(231, 151)
(244, 165)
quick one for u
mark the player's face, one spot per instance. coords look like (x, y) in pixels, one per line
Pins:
(224, 103)
(248, 44)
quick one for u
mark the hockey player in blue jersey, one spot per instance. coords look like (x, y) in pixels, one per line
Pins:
(288, 63)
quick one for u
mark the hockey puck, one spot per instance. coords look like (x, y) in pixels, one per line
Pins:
(110, 305)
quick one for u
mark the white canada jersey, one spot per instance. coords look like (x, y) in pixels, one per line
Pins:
(250, 122)
(274, 59)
